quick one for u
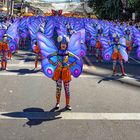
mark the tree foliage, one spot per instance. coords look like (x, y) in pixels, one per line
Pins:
(114, 9)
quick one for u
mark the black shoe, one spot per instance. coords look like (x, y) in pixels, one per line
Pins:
(68, 107)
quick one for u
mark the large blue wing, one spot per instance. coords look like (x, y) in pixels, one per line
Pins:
(122, 41)
(12, 45)
(124, 53)
(46, 45)
(76, 70)
(83, 46)
(119, 31)
(137, 39)
(13, 30)
(48, 68)
(2, 32)
(49, 29)
(22, 23)
(83, 34)
(83, 50)
(74, 45)
(104, 41)
(138, 53)
(93, 42)
(107, 54)
(135, 30)
(47, 48)
(106, 30)
(90, 29)
(33, 29)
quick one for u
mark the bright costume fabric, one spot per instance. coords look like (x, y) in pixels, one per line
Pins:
(4, 51)
(60, 64)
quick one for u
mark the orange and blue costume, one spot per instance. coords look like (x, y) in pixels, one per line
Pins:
(4, 50)
(38, 55)
(116, 56)
(128, 38)
(60, 63)
(62, 73)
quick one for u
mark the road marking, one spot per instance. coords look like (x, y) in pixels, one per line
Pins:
(39, 74)
(134, 60)
(69, 116)
(35, 75)
(22, 64)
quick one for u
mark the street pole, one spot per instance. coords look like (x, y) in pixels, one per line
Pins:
(12, 7)
(8, 7)
(22, 2)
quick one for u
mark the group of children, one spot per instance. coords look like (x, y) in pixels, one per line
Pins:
(60, 43)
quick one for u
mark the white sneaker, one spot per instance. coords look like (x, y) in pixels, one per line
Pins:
(68, 107)
(57, 106)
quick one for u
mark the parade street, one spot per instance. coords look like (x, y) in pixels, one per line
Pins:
(103, 107)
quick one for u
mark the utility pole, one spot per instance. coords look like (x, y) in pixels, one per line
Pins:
(4, 4)
(22, 3)
(8, 7)
(12, 7)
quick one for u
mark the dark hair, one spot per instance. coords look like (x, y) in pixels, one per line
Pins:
(36, 43)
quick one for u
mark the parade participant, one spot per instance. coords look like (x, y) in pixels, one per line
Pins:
(128, 38)
(38, 55)
(60, 63)
(116, 56)
(4, 50)
(90, 38)
(98, 46)
(117, 51)
(10, 55)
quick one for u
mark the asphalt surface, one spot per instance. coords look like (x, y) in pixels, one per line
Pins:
(27, 97)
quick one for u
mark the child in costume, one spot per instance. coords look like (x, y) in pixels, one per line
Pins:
(60, 62)
(38, 55)
(128, 38)
(117, 51)
(117, 56)
(98, 46)
(4, 51)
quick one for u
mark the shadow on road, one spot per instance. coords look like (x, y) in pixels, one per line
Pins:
(111, 78)
(35, 116)
(108, 78)
(24, 71)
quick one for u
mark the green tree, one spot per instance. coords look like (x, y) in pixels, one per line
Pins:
(114, 9)
(108, 9)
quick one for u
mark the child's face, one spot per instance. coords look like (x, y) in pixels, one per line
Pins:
(116, 39)
(5, 39)
(63, 46)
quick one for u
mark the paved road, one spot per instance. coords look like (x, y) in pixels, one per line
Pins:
(104, 107)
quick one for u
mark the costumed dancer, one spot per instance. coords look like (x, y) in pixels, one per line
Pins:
(60, 62)
(38, 55)
(136, 39)
(99, 47)
(117, 51)
(128, 38)
(4, 51)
